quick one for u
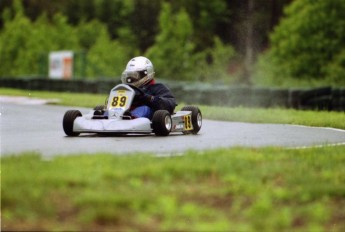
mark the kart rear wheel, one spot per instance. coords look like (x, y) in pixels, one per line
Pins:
(161, 123)
(68, 121)
(196, 118)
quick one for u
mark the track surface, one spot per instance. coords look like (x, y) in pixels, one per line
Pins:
(39, 128)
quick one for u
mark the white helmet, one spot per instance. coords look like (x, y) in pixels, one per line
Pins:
(139, 71)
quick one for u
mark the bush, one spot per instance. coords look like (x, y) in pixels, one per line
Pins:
(25, 46)
(307, 41)
(106, 58)
(213, 63)
(335, 71)
(174, 52)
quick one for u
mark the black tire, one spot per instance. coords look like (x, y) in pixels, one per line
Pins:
(161, 123)
(68, 121)
(196, 118)
(99, 107)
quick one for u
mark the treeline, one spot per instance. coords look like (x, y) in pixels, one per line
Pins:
(198, 40)
(227, 19)
(186, 39)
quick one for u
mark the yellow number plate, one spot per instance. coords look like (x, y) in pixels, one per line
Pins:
(119, 101)
(188, 122)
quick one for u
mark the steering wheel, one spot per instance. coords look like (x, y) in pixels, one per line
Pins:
(139, 95)
(138, 92)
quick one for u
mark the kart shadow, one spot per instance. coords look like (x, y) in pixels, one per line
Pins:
(113, 135)
(129, 135)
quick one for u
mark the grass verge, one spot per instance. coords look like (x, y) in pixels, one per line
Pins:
(238, 189)
(240, 114)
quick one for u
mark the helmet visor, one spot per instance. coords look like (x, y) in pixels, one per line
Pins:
(130, 77)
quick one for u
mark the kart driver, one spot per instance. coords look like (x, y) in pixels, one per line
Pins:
(150, 96)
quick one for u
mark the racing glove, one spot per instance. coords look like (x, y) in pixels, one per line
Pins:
(142, 98)
(145, 98)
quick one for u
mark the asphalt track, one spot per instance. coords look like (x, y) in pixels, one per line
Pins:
(32, 127)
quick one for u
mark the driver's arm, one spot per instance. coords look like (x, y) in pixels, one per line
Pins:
(159, 97)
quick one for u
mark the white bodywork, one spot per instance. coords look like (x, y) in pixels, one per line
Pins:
(139, 125)
(120, 100)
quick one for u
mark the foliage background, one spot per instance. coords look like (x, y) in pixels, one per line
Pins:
(308, 44)
(250, 42)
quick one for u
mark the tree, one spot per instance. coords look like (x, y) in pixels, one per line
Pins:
(12, 37)
(32, 58)
(209, 19)
(25, 45)
(106, 57)
(133, 25)
(335, 71)
(212, 63)
(172, 52)
(308, 39)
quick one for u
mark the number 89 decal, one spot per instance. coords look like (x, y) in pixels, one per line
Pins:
(119, 101)
(188, 122)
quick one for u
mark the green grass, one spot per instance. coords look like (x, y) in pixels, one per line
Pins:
(273, 115)
(238, 189)
(276, 115)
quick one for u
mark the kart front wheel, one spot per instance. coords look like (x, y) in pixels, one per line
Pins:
(68, 121)
(196, 117)
(161, 123)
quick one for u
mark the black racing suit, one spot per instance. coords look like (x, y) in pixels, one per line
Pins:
(157, 96)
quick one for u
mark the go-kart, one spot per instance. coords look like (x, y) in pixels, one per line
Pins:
(112, 118)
